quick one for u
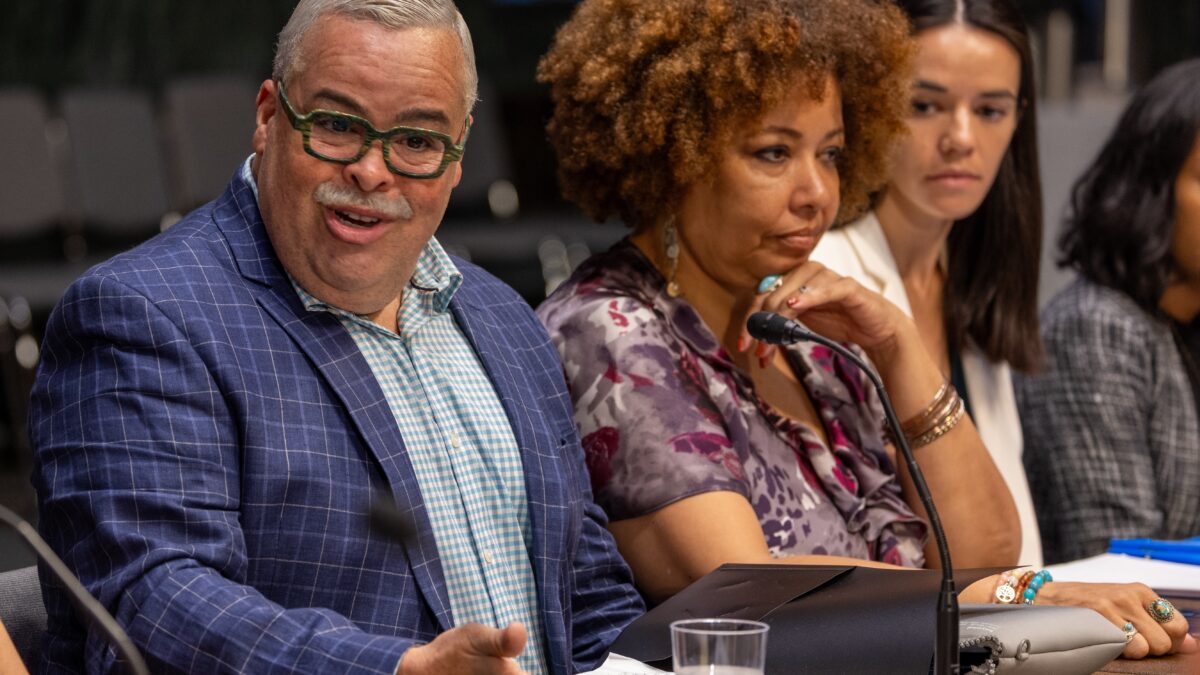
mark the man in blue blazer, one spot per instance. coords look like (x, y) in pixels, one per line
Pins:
(217, 409)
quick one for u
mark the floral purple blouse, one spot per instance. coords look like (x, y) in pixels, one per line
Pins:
(665, 414)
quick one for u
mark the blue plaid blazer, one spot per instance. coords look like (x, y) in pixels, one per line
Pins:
(206, 452)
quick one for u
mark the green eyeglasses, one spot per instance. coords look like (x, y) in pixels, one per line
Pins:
(344, 139)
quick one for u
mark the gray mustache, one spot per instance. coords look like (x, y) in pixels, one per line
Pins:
(333, 196)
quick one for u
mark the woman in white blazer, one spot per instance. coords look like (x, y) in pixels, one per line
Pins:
(954, 238)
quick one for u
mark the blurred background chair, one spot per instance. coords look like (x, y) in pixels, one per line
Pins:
(209, 121)
(117, 166)
(32, 208)
(38, 235)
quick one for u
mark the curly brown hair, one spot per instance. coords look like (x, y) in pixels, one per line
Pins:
(646, 94)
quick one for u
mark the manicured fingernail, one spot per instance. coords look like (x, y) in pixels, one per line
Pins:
(762, 362)
(743, 342)
(793, 301)
(761, 350)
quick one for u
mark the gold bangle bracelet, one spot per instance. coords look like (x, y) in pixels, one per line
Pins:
(936, 409)
(942, 427)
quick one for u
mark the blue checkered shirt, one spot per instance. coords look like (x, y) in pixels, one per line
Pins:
(461, 446)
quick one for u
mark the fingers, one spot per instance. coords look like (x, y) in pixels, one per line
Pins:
(512, 639)
(1153, 638)
(466, 649)
(780, 298)
(504, 642)
(1136, 648)
(1188, 645)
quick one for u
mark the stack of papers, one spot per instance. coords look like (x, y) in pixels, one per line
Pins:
(616, 664)
(1117, 568)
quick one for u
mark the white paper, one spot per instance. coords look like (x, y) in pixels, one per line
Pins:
(1116, 568)
(616, 664)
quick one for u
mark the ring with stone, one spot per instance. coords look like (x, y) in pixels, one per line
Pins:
(1129, 631)
(1161, 609)
(770, 283)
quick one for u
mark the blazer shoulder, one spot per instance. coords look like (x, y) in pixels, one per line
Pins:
(1085, 307)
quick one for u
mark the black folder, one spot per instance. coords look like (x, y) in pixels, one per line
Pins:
(824, 619)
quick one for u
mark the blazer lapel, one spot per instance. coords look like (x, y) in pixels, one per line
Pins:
(870, 244)
(545, 482)
(325, 342)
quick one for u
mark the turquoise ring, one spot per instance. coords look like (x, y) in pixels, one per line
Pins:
(1161, 609)
(1129, 631)
(770, 283)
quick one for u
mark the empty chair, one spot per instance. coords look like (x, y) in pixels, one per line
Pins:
(209, 121)
(35, 225)
(117, 163)
(31, 199)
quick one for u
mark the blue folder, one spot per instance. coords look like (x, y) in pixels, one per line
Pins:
(1180, 551)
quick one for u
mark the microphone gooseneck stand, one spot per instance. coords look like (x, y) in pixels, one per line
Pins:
(776, 329)
(84, 603)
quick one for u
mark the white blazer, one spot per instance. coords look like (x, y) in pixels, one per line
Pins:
(860, 250)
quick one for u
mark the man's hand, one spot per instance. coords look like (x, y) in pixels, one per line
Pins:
(470, 648)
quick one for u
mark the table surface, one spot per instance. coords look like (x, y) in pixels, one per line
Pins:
(1176, 663)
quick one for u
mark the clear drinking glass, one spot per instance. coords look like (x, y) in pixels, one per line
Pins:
(719, 647)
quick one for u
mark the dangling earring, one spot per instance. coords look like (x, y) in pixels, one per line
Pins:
(672, 243)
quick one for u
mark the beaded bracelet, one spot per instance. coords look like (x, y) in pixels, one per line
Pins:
(1035, 585)
(1005, 592)
(1024, 583)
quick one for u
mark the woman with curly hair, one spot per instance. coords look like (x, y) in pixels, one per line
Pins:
(954, 238)
(727, 133)
(1112, 448)
(730, 134)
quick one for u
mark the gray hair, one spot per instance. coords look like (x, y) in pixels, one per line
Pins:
(394, 14)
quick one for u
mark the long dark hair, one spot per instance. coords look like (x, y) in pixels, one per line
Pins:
(1123, 207)
(991, 289)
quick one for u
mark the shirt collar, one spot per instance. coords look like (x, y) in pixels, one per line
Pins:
(435, 272)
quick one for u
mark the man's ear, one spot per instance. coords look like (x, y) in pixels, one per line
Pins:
(266, 105)
(458, 164)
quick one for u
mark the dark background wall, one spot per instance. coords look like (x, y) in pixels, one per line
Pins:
(50, 44)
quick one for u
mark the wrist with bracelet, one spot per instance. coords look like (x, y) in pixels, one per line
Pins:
(1012, 589)
(937, 419)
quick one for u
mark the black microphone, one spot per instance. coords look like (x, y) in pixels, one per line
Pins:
(775, 329)
(84, 603)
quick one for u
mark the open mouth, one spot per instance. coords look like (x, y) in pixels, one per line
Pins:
(354, 220)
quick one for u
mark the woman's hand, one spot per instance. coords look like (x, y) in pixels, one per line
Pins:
(977, 510)
(834, 306)
(1121, 603)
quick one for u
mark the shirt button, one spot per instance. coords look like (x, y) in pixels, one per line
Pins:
(454, 443)
(487, 557)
